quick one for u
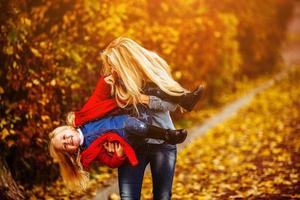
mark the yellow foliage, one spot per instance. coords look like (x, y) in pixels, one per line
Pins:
(35, 52)
(1, 90)
(4, 133)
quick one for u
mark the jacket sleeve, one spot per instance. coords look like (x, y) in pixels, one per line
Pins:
(89, 155)
(98, 105)
(111, 161)
(101, 92)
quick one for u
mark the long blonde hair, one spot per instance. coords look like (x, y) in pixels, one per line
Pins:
(71, 170)
(136, 65)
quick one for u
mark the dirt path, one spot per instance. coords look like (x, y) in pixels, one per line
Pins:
(291, 56)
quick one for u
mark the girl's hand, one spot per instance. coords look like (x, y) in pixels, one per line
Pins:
(110, 79)
(119, 149)
(109, 147)
(114, 147)
(70, 119)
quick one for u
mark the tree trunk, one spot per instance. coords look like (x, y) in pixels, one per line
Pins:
(8, 187)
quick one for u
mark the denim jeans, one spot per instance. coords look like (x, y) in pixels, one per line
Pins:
(162, 159)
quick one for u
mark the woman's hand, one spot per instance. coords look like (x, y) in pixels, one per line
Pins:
(110, 79)
(70, 119)
(111, 147)
(145, 99)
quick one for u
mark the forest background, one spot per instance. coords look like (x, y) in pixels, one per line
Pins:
(50, 61)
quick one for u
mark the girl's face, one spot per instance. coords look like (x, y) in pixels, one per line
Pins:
(67, 140)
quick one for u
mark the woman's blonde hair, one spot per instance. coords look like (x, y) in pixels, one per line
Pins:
(136, 65)
(70, 166)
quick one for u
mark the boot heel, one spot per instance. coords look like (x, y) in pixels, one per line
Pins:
(192, 98)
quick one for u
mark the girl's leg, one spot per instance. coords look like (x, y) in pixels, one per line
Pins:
(131, 178)
(162, 162)
(125, 125)
(187, 100)
(134, 126)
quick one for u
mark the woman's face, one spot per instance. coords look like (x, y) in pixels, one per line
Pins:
(67, 140)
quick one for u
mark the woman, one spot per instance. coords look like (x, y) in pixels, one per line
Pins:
(138, 70)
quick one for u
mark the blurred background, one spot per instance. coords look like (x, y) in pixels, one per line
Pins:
(50, 64)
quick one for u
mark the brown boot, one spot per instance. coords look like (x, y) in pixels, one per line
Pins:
(187, 100)
(170, 136)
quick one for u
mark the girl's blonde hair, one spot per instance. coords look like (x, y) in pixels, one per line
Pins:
(70, 166)
(136, 65)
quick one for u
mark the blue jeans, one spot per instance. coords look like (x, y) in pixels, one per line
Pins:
(162, 159)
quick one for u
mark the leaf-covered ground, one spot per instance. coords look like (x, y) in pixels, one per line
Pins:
(254, 155)
(99, 177)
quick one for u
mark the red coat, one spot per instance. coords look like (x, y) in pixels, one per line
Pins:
(96, 151)
(99, 105)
